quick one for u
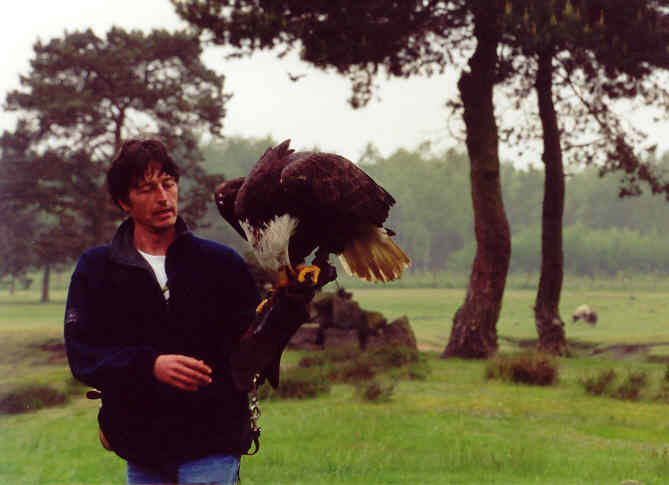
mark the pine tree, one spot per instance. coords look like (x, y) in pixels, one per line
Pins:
(81, 98)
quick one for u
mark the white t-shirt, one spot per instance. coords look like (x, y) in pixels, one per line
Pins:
(157, 262)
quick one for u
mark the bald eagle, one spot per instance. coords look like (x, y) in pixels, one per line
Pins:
(293, 203)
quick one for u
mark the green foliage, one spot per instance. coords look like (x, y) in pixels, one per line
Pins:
(297, 383)
(83, 95)
(599, 384)
(630, 389)
(234, 156)
(413, 36)
(426, 184)
(603, 235)
(607, 383)
(317, 371)
(376, 390)
(527, 368)
(365, 365)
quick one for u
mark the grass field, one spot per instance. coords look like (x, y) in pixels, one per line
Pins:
(454, 427)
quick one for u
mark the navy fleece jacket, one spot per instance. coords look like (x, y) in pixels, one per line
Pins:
(117, 322)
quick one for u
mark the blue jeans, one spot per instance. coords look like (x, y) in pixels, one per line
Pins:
(213, 469)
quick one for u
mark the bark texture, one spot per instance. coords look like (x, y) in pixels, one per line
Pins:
(550, 326)
(474, 332)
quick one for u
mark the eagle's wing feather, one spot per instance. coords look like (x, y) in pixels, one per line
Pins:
(259, 199)
(336, 187)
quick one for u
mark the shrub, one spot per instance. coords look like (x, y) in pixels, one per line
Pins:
(526, 368)
(354, 370)
(31, 398)
(365, 365)
(388, 356)
(600, 384)
(631, 387)
(341, 354)
(375, 391)
(629, 390)
(297, 383)
(317, 370)
(419, 370)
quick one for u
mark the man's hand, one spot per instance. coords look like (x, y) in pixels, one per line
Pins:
(182, 372)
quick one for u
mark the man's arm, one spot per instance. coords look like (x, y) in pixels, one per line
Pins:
(261, 346)
(93, 360)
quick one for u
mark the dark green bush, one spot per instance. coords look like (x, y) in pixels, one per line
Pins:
(297, 383)
(526, 368)
(365, 365)
(316, 371)
(341, 354)
(630, 389)
(375, 391)
(31, 398)
(418, 370)
(600, 384)
(387, 357)
(355, 370)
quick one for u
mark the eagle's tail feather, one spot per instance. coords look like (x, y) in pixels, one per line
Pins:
(374, 257)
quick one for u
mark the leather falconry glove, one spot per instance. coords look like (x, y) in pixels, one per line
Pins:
(261, 346)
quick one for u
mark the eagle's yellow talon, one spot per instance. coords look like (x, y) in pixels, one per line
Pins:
(285, 276)
(314, 271)
(260, 307)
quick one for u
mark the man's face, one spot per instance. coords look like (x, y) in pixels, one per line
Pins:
(153, 201)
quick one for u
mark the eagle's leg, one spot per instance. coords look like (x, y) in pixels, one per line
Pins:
(320, 272)
(286, 275)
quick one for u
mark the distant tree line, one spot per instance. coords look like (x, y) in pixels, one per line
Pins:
(603, 234)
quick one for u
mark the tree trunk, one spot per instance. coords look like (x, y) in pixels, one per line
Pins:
(550, 326)
(45, 283)
(474, 333)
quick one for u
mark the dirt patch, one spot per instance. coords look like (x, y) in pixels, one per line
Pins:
(580, 348)
(626, 351)
(56, 351)
(530, 343)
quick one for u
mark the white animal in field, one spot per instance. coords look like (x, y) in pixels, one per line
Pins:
(586, 313)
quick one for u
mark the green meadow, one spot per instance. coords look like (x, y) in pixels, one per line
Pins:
(451, 427)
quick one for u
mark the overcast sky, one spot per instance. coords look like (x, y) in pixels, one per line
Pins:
(312, 111)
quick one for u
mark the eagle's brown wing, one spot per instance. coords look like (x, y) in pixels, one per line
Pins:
(225, 196)
(342, 210)
(336, 188)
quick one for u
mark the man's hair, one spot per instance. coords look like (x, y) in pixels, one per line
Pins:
(131, 162)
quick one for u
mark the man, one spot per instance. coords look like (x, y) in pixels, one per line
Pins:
(160, 321)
